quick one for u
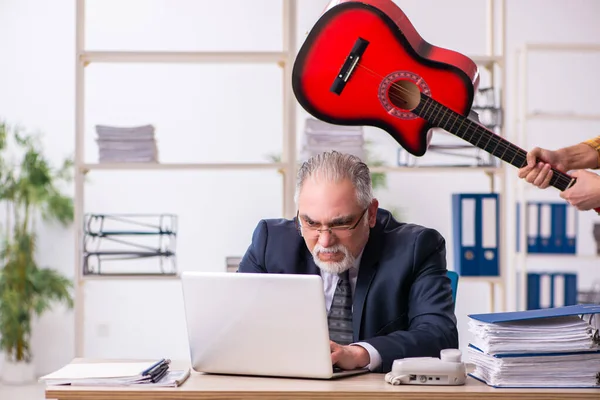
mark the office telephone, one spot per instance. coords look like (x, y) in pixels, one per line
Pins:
(446, 370)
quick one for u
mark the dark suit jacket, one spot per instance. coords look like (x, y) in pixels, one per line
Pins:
(402, 302)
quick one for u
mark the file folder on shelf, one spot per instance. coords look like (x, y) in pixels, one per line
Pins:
(146, 242)
(551, 289)
(554, 347)
(475, 233)
(551, 228)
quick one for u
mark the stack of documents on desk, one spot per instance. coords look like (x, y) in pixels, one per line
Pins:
(321, 136)
(126, 144)
(117, 374)
(555, 347)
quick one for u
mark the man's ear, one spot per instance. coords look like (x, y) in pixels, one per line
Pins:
(373, 212)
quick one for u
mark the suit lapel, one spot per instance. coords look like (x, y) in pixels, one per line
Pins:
(366, 272)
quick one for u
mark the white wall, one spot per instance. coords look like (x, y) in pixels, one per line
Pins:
(232, 113)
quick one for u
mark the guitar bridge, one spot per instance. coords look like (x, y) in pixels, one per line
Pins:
(349, 65)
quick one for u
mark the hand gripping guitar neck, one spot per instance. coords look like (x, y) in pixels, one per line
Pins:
(363, 63)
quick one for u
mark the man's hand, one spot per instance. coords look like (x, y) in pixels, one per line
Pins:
(538, 169)
(585, 194)
(349, 357)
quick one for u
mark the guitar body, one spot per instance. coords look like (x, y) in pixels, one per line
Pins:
(390, 51)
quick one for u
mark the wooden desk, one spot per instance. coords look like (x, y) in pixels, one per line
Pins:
(369, 386)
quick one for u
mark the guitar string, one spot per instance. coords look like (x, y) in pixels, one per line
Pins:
(493, 137)
(512, 152)
(450, 117)
(560, 177)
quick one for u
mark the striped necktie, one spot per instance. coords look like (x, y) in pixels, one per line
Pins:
(340, 312)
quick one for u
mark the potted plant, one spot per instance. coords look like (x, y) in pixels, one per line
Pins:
(29, 191)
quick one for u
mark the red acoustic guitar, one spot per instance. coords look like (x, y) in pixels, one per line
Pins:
(363, 63)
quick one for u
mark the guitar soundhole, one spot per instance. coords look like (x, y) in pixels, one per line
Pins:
(399, 93)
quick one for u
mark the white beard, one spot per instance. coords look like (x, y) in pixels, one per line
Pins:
(333, 267)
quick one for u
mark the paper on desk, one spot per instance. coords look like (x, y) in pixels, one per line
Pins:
(171, 379)
(74, 371)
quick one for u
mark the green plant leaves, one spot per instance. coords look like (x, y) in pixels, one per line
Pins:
(30, 186)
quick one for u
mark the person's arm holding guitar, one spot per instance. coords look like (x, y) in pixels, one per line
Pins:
(585, 195)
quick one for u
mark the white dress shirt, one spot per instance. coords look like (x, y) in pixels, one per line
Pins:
(329, 284)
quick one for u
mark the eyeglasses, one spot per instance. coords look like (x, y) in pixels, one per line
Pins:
(340, 231)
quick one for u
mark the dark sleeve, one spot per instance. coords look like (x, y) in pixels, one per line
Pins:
(254, 258)
(432, 323)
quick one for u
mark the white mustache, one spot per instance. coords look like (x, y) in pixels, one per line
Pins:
(334, 249)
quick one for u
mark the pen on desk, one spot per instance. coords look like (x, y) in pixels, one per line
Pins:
(153, 366)
(159, 369)
(160, 373)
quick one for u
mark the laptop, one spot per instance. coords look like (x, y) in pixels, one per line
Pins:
(258, 324)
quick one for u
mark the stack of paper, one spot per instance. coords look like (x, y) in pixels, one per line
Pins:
(321, 136)
(568, 333)
(132, 144)
(117, 374)
(577, 369)
(555, 347)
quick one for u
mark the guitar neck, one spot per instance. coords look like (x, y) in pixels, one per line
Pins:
(441, 116)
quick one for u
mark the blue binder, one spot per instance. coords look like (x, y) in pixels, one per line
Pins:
(544, 242)
(509, 316)
(558, 232)
(579, 310)
(475, 227)
(550, 290)
(532, 226)
(570, 240)
(551, 228)
(569, 289)
(533, 291)
(564, 228)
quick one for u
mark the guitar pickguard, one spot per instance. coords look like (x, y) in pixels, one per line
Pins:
(383, 92)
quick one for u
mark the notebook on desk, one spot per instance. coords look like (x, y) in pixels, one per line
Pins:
(258, 324)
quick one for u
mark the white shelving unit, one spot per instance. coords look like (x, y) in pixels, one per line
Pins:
(83, 58)
(523, 117)
(287, 167)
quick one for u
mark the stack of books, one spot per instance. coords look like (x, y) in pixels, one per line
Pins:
(126, 144)
(555, 347)
(320, 136)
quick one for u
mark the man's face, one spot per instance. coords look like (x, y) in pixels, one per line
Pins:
(323, 205)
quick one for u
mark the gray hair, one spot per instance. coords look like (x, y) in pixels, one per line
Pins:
(335, 167)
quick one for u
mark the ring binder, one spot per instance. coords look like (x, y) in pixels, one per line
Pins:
(555, 347)
(475, 230)
(551, 227)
